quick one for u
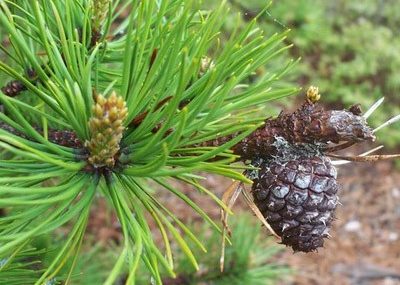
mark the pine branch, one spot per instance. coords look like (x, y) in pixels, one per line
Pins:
(59, 137)
(173, 98)
(160, 77)
(308, 124)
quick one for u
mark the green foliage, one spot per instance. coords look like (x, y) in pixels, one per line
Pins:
(93, 266)
(22, 268)
(45, 186)
(249, 260)
(29, 264)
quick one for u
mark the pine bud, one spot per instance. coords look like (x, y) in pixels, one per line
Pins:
(106, 129)
(100, 11)
(313, 94)
(15, 87)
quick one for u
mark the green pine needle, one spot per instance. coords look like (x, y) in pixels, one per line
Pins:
(152, 59)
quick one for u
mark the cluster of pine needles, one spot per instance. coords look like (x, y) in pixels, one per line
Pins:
(97, 104)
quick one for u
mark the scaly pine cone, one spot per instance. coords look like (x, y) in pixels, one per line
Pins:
(308, 124)
(13, 88)
(106, 129)
(298, 199)
(64, 138)
(61, 137)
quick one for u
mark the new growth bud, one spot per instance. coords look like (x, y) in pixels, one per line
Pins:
(106, 129)
(100, 11)
(313, 94)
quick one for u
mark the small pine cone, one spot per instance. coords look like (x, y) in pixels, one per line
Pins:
(106, 129)
(64, 138)
(60, 137)
(298, 199)
(308, 124)
(13, 88)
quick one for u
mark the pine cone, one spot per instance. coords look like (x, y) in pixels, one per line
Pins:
(65, 138)
(308, 124)
(13, 88)
(298, 199)
(60, 137)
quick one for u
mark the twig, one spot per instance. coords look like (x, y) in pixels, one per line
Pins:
(228, 198)
(139, 118)
(367, 158)
(340, 146)
(342, 162)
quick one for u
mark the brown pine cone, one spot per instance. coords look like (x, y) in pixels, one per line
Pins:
(298, 199)
(308, 124)
(65, 138)
(60, 137)
(13, 88)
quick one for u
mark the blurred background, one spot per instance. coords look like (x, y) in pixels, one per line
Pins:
(349, 49)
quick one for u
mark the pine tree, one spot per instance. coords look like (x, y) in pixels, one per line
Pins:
(96, 104)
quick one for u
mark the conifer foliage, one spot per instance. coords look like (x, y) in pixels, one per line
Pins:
(63, 144)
